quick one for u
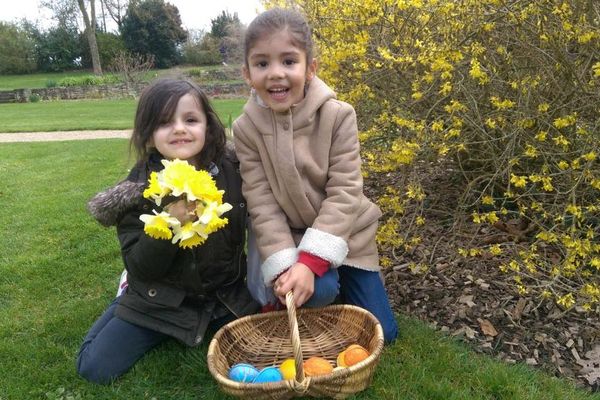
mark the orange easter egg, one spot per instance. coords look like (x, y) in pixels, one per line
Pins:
(317, 366)
(355, 354)
(340, 359)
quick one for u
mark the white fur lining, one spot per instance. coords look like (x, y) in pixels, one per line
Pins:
(325, 245)
(278, 262)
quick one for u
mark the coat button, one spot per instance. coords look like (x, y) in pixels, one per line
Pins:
(151, 292)
(286, 126)
(242, 205)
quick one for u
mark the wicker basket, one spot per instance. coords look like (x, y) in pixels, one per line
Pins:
(268, 339)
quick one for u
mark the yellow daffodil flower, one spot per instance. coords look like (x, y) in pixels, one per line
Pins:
(180, 179)
(159, 226)
(155, 190)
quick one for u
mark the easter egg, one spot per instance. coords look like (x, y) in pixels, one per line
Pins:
(288, 368)
(340, 360)
(317, 366)
(268, 374)
(355, 354)
(242, 373)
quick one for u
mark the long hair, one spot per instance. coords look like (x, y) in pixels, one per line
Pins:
(158, 103)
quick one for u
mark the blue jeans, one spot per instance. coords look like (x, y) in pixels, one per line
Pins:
(327, 288)
(358, 287)
(113, 346)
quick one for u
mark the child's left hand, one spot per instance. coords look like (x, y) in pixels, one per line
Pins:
(299, 279)
(182, 210)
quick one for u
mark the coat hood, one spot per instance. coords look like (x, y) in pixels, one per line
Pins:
(108, 206)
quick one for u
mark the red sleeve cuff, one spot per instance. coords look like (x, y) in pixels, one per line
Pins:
(316, 264)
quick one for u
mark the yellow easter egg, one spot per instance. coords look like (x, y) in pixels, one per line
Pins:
(288, 368)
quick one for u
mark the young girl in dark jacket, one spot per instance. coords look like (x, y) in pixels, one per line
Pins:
(172, 292)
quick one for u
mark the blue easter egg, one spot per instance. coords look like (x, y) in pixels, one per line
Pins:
(243, 373)
(268, 374)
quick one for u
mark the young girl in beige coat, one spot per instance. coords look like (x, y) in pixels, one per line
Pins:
(300, 163)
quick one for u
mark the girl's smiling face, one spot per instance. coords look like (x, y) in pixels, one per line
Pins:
(278, 70)
(183, 136)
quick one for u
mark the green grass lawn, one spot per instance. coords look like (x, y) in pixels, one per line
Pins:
(86, 114)
(60, 270)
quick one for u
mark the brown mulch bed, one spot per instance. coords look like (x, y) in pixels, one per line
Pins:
(470, 298)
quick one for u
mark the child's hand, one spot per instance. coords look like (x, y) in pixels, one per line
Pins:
(298, 278)
(182, 210)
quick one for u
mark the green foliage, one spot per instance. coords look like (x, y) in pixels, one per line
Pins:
(17, 50)
(219, 26)
(201, 57)
(505, 94)
(153, 27)
(89, 80)
(34, 98)
(50, 83)
(195, 72)
(58, 49)
(228, 32)
(110, 45)
(203, 51)
(34, 81)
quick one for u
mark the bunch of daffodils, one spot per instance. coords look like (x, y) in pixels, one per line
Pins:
(180, 179)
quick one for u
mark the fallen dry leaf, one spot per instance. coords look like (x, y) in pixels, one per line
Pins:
(591, 366)
(486, 327)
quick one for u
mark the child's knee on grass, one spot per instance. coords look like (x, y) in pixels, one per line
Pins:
(89, 369)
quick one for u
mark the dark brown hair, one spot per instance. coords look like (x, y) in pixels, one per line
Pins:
(158, 103)
(276, 20)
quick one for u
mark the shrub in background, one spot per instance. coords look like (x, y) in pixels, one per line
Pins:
(132, 68)
(17, 50)
(110, 45)
(507, 94)
(89, 80)
(34, 98)
(203, 49)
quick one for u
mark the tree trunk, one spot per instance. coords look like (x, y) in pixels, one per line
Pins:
(90, 33)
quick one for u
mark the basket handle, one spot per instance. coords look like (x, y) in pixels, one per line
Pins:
(295, 336)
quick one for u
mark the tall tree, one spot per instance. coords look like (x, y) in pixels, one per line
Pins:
(219, 26)
(66, 12)
(228, 31)
(153, 27)
(90, 33)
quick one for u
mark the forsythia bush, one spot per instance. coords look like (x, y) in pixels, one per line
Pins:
(506, 90)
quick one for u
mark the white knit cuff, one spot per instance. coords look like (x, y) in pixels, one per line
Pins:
(325, 245)
(278, 262)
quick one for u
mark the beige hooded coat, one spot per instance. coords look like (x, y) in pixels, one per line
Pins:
(303, 184)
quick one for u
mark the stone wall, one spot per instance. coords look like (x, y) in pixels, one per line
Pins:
(215, 90)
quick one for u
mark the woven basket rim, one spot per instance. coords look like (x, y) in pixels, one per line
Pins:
(366, 363)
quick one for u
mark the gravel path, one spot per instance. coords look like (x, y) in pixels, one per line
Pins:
(58, 136)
